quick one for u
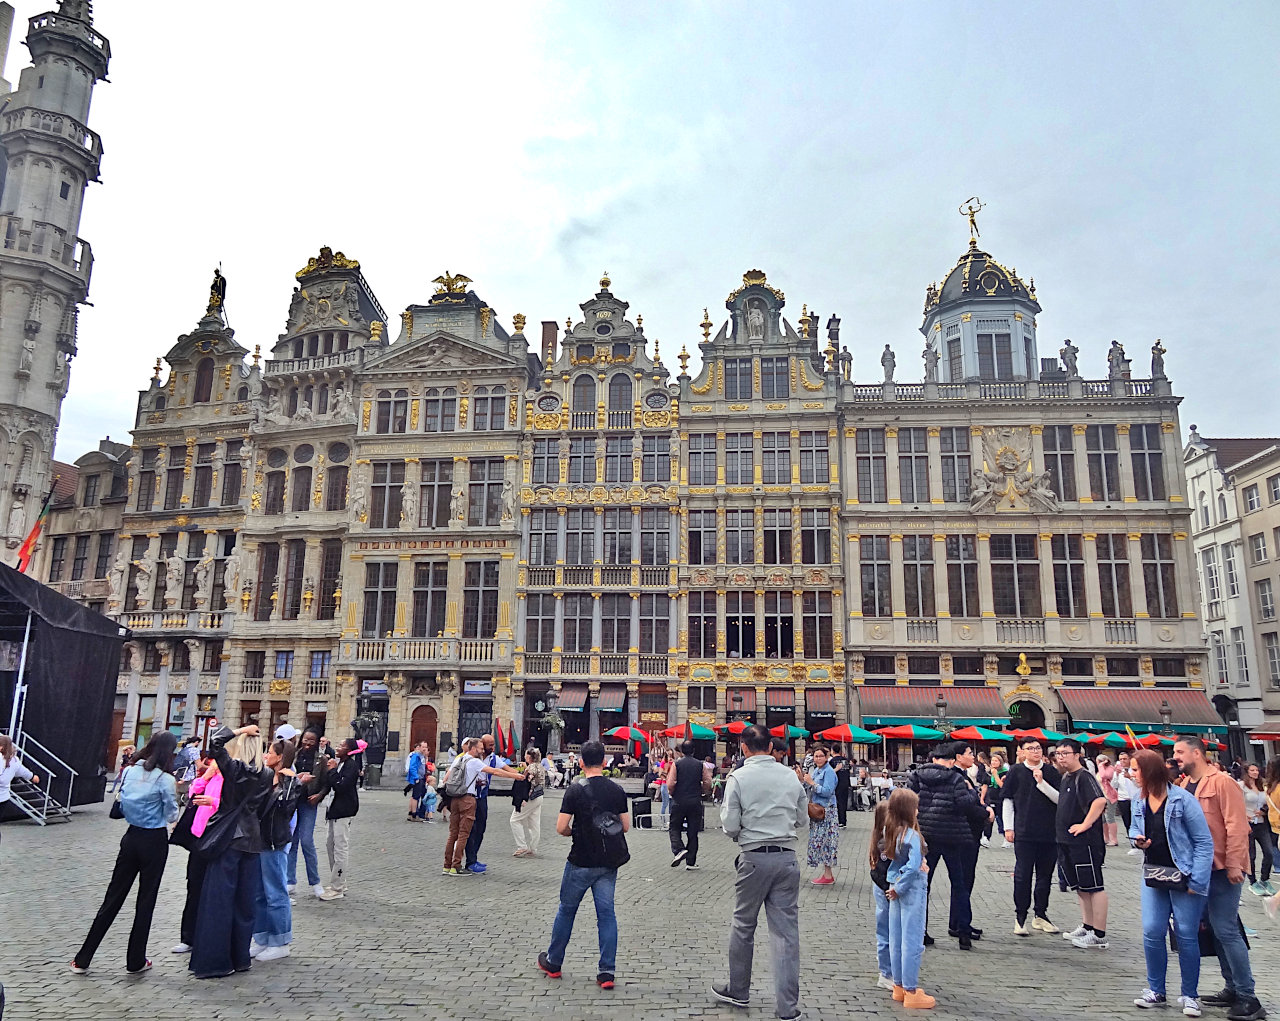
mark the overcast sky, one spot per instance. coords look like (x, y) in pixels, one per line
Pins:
(1127, 153)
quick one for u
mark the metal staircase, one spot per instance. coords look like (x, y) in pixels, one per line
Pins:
(50, 799)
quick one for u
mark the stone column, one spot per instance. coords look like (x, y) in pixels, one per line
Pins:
(897, 593)
(935, 459)
(721, 638)
(593, 709)
(797, 616)
(893, 484)
(1137, 577)
(195, 649)
(1092, 587)
(1080, 458)
(986, 598)
(1048, 595)
(633, 703)
(941, 588)
(1127, 488)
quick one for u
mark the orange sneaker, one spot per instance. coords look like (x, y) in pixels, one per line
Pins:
(899, 993)
(920, 1000)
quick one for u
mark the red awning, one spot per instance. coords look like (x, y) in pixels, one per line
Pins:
(1114, 707)
(612, 698)
(820, 701)
(1265, 734)
(901, 703)
(780, 698)
(748, 700)
(573, 697)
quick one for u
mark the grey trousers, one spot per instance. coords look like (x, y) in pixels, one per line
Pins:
(771, 879)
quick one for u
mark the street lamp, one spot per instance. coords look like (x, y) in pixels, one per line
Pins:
(737, 704)
(1166, 718)
(940, 711)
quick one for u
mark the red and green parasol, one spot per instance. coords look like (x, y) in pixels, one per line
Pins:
(736, 727)
(1040, 734)
(692, 730)
(1111, 740)
(628, 734)
(786, 730)
(910, 732)
(980, 734)
(1154, 741)
(849, 734)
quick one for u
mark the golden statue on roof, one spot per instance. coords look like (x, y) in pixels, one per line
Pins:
(449, 283)
(971, 207)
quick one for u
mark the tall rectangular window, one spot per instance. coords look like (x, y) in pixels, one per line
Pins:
(876, 584)
(103, 564)
(702, 459)
(617, 459)
(1015, 575)
(301, 489)
(956, 463)
(777, 536)
(284, 664)
(212, 660)
(737, 459)
(739, 536)
(702, 624)
(1240, 647)
(986, 356)
(1252, 498)
(173, 488)
(580, 536)
(1060, 460)
(545, 464)
(379, 598)
(1113, 575)
(955, 360)
(435, 495)
(917, 575)
(578, 609)
(1004, 356)
(202, 487)
(1271, 642)
(1068, 575)
(1258, 548)
(440, 410)
(1212, 580)
(80, 557)
(479, 598)
(232, 473)
(615, 623)
(815, 458)
(330, 578)
(385, 496)
(146, 490)
(1104, 462)
(544, 526)
(962, 576)
(273, 502)
(737, 379)
(655, 459)
(655, 537)
(1266, 599)
(1148, 462)
(913, 465)
(335, 488)
(58, 558)
(815, 536)
(655, 625)
(775, 459)
(740, 625)
(484, 493)
(779, 625)
(582, 459)
(268, 569)
(255, 663)
(320, 662)
(617, 535)
(817, 626)
(702, 537)
(489, 410)
(91, 485)
(539, 622)
(1158, 574)
(295, 554)
(392, 412)
(871, 467)
(1230, 573)
(774, 378)
(431, 596)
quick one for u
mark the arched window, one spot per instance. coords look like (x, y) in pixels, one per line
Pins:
(1204, 511)
(322, 399)
(292, 405)
(1222, 508)
(393, 411)
(242, 394)
(204, 382)
(160, 403)
(584, 394)
(620, 392)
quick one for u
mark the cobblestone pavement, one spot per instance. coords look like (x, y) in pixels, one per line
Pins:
(391, 949)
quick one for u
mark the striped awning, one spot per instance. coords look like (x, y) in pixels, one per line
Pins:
(900, 704)
(748, 700)
(780, 698)
(1112, 708)
(820, 701)
(612, 698)
(1271, 733)
(573, 698)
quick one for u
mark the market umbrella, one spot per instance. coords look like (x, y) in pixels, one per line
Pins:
(911, 732)
(1040, 734)
(736, 727)
(1111, 740)
(845, 732)
(628, 734)
(980, 734)
(694, 730)
(1154, 740)
(786, 730)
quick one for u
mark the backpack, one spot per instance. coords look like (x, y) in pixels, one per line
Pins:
(455, 782)
(608, 827)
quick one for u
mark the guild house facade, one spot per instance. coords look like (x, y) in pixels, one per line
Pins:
(427, 533)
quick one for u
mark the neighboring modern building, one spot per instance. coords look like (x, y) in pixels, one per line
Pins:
(450, 528)
(50, 156)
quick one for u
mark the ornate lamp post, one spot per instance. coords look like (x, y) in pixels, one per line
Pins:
(737, 706)
(940, 712)
(1166, 718)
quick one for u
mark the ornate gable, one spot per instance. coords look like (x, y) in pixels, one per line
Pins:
(441, 352)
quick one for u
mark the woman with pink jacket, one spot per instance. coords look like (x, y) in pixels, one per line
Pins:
(206, 793)
(1106, 780)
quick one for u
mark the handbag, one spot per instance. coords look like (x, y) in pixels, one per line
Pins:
(880, 874)
(816, 812)
(182, 835)
(1164, 877)
(117, 809)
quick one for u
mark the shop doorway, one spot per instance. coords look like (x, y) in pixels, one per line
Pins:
(422, 727)
(1026, 715)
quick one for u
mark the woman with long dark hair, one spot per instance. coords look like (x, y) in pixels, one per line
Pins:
(1255, 808)
(273, 926)
(149, 800)
(1169, 826)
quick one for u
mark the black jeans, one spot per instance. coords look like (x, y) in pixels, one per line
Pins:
(1126, 817)
(142, 857)
(224, 922)
(682, 812)
(476, 838)
(842, 802)
(1260, 837)
(1038, 858)
(196, 865)
(960, 917)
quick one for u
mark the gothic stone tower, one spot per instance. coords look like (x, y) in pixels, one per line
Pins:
(49, 157)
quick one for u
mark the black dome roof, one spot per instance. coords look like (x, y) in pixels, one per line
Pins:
(977, 275)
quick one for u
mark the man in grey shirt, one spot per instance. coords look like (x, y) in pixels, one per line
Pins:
(764, 805)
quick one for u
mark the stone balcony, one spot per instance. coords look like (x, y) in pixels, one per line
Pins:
(47, 242)
(319, 363)
(217, 622)
(59, 125)
(426, 653)
(1021, 633)
(1006, 390)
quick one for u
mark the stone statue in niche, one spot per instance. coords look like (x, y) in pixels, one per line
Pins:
(1157, 360)
(344, 408)
(202, 574)
(755, 323)
(358, 504)
(1068, 354)
(888, 362)
(230, 579)
(458, 505)
(1117, 363)
(930, 364)
(409, 502)
(119, 574)
(27, 357)
(173, 571)
(146, 568)
(508, 500)
(17, 521)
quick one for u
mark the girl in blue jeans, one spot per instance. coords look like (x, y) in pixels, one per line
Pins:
(883, 961)
(907, 896)
(1168, 825)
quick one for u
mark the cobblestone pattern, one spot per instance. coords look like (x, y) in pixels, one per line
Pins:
(389, 950)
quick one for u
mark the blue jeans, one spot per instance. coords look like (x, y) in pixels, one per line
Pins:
(882, 932)
(273, 922)
(1186, 909)
(1222, 912)
(573, 887)
(304, 833)
(906, 936)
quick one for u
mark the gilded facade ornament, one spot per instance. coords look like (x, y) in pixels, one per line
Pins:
(486, 316)
(406, 318)
(804, 379)
(451, 283)
(517, 322)
(711, 381)
(375, 332)
(706, 326)
(755, 278)
(327, 259)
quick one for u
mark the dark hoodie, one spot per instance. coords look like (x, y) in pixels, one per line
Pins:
(948, 805)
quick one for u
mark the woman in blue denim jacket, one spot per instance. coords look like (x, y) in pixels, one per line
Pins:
(824, 836)
(1168, 825)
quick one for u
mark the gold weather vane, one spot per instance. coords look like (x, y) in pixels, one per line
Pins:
(971, 207)
(448, 283)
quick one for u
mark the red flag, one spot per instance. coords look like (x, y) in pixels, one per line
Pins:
(28, 547)
(498, 737)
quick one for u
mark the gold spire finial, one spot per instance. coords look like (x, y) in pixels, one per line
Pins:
(657, 357)
(156, 377)
(804, 321)
(970, 208)
(518, 322)
(639, 322)
(706, 325)
(568, 324)
(605, 281)
(683, 356)
(257, 353)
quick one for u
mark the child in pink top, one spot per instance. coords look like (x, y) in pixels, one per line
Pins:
(208, 784)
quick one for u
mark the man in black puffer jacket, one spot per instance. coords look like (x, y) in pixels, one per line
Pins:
(948, 808)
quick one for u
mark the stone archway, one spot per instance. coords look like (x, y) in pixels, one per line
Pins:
(423, 725)
(1026, 714)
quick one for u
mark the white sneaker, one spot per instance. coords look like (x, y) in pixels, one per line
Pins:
(1190, 1006)
(1005, 846)
(1079, 930)
(255, 948)
(1149, 999)
(1044, 925)
(272, 954)
(884, 983)
(1089, 941)
(1020, 929)
(318, 889)
(984, 842)
(181, 948)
